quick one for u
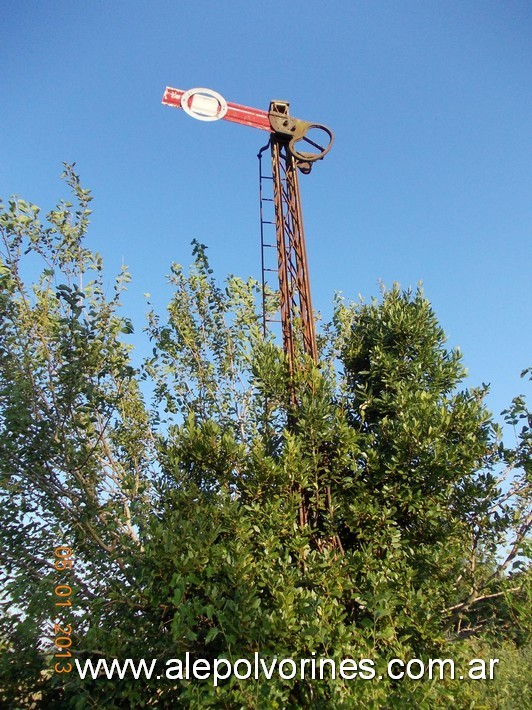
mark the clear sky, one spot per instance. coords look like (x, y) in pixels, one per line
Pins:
(429, 179)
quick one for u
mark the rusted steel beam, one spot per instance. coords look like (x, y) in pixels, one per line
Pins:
(294, 281)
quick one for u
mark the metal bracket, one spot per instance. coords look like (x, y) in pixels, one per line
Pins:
(297, 130)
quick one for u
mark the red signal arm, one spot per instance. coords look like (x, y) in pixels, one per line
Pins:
(236, 113)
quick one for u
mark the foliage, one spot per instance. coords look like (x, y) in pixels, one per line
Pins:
(367, 522)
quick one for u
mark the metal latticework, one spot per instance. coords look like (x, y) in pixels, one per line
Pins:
(297, 321)
(294, 283)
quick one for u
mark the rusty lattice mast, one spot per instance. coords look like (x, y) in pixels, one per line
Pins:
(287, 136)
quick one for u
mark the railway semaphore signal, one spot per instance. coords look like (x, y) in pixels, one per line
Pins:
(294, 145)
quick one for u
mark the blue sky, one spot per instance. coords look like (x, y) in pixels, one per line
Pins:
(429, 179)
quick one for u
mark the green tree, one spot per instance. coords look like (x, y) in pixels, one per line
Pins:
(220, 521)
(76, 445)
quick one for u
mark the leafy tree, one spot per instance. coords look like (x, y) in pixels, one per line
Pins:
(367, 522)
